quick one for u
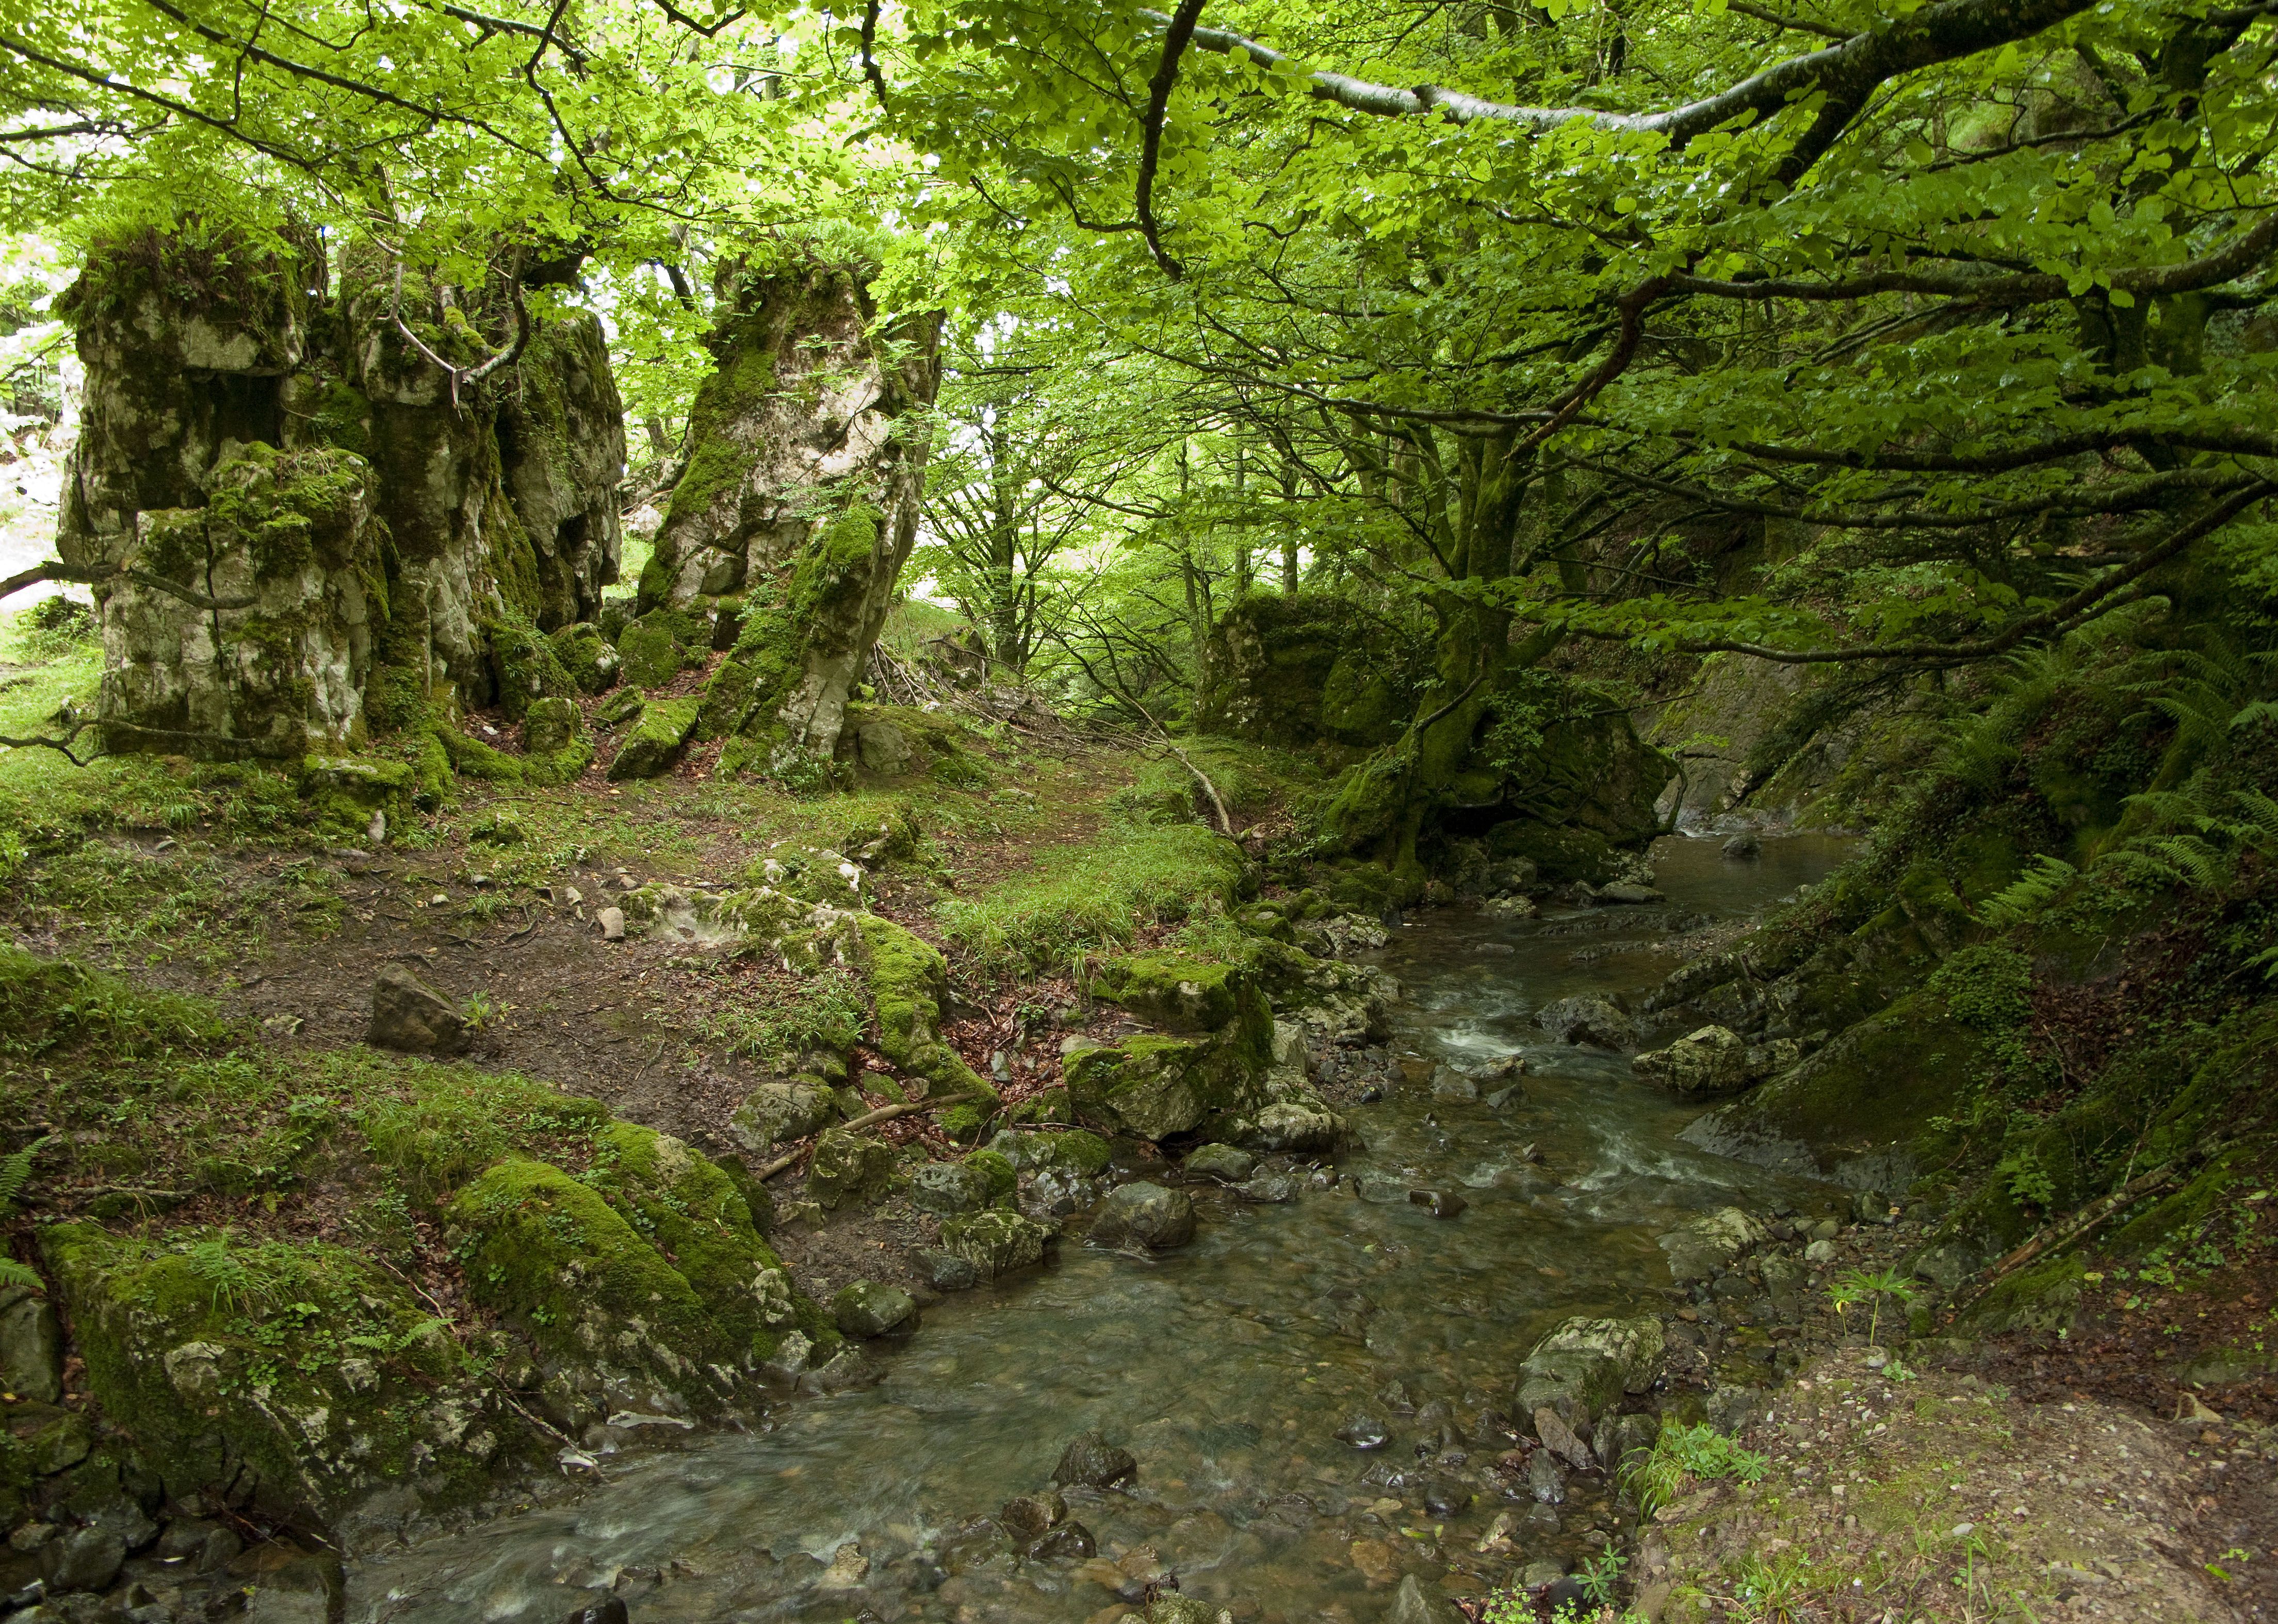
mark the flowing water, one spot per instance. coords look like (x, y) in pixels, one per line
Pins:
(1227, 1367)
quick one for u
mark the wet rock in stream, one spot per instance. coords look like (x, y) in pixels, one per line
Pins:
(1364, 1432)
(1145, 1215)
(1094, 1462)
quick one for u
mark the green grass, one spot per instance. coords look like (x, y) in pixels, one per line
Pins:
(1084, 899)
(772, 1018)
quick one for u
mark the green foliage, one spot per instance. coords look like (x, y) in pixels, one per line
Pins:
(1987, 987)
(1854, 1286)
(16, 1174)
(1685, 1453)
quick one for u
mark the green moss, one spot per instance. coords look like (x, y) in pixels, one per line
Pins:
(657, 648)
(472, 758)
(1182, 991)
(51, 1003)
(909, 981)
(553, 1255)
(727, 696)
(587, 657)
(300, 1360)
(653, 743)
(718, 461)
(342, 792)
(524, 664)
(453, 1121)
(996, 1168)
(1079, 899)
(695, 1213)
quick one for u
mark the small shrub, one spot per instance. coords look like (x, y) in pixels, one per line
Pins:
(1683, 1454)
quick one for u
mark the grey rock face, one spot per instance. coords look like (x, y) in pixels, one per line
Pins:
(945, 1271)
(31, 1345)
(214, 464)
(87, 1559)
(813, 476)
(408, 1014)
(1145, 1215)
(866, 1309)
(1588, 1020)
(1709, 1061)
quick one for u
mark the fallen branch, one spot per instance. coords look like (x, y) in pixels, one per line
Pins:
(2083, 1223)
(883, 1113)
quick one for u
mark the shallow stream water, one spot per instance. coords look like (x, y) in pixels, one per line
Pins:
(1227, 1367)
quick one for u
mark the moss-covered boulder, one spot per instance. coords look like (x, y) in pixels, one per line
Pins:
(355, 797)
(1860, 1103)
(852, 1169)
(655, 740)
(556, 747)
(659, 645)
(695, 1213)
(1305, 669)
(1154, 1087)
(597, 1301)
(1176, 990)
(909, 986)
(1084, 1155)
(299, 1366)
(997, 1242)
(591, 663)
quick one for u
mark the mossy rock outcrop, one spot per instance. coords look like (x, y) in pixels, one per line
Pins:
(1303, 670)
(1156, 1087)
(655, 740)
(611, 1319)
(383, 554)
(298, 1369)
(810, 547)
(1178, 991)
(909, 988)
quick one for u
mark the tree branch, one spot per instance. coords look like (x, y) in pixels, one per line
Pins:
(1181, 29)
(1845, 73)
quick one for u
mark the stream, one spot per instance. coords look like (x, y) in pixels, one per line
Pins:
(1228, 1369)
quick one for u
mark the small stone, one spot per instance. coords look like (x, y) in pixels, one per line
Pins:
(609, 1612)
(1070, 1542)
(1452, 1086)
(1544, 1478)
(866, 1309)
(571, 895)
(1963, 1530)
(87, 1559)
(1145, 1215)
(1091, 1461)
(1439, 1203)
(847, 1569)
(1561, 1439)
(1630, 892)
(1273, 1189)
(1744, 845)
(1819, 1252)
(612, 921)
(1031, 1516)
(945, 1271)
(1365, 1431)
(409, 1015)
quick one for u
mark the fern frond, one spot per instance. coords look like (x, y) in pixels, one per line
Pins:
(14, 1273)
(2030, 892)
(16, 1172)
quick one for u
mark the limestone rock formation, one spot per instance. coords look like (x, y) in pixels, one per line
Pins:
(799, 504)
(277, 495)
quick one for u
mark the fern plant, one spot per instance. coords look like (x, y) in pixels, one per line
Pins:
(13, 1274)
(16, 1174)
